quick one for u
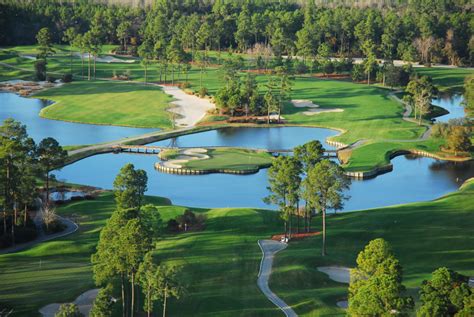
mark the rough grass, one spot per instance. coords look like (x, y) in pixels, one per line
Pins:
(112, 103)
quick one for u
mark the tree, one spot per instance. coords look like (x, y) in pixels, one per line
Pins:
(323, 189)
(147, 276)
(80, 43)
(323, 55)
(459, 140)
(102, 306)
(376, 288)
(123, 33)
(370, 61)
(421, 91)
(68, 310)
(130, 186)
(40, 70)
(469, 92)
(70, 36)
(151, 219)
(145, 51)
(50, 156)
(308, 155)
(45, 45)
(424, 46)
(284, 182)
(168, 285)
(445, 294)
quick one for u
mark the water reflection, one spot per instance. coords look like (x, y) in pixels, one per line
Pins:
(413, 179)
(452, 103)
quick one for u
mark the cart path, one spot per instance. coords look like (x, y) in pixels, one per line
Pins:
(269, 249)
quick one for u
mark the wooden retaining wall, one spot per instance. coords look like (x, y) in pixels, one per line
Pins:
(184, 171)
(337, 145)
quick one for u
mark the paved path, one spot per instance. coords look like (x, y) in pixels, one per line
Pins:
(71, 227)
(269, 249)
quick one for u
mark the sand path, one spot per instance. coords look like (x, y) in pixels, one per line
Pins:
(190, 109)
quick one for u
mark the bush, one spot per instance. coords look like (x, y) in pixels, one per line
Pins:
(185, 85)
(358, 72)
(203, 92)
(67, 78)
(301, 68)
(25, 234)
(68, 310)
(172, 225)
(51, 79)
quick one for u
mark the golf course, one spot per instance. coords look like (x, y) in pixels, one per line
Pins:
(226, 158)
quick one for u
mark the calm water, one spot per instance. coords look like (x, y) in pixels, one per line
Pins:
(413, 179)
(265, 138)
(451, 103)
(26, 111)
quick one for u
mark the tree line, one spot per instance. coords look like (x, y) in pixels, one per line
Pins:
(426, 31)
(25, 174)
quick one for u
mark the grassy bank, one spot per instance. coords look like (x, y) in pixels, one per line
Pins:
(424, 236)
(110, 103)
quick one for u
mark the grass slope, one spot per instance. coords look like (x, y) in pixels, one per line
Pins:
(424, 236)
(112, 103)
(220, 264)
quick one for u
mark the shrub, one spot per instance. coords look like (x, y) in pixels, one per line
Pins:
(54, 227)
(203, 92)
(51, 79)
(301, 68)
(358, 72)
(172, 225)
(69, 310)
(67, 78)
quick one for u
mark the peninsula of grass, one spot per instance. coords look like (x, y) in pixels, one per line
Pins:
(108, 103)
(220, 263)
(224, 160)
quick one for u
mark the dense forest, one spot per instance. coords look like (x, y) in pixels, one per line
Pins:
(427, 31)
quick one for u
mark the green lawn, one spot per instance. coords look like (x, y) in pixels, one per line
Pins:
(227, 159)
(447, 79)
(424, 236)
(220, 264)
(113, 103)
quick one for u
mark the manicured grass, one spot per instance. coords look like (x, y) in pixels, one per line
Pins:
(446, 79)
(226, 159)
(113, 103)
(220, 263)
(424, 236)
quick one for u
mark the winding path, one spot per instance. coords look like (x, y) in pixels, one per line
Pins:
(71, 227)
(269, 249)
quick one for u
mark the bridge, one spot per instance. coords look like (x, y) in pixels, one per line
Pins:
(154, 149)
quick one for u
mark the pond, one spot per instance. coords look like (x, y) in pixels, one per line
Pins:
(26, 111)
(278, 138)
(452, 103)
(413, 179)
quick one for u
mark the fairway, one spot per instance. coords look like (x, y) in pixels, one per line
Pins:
(112, 103)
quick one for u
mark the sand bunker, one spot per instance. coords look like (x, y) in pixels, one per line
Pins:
(186, 156)
(313, 109)
(339, 274)
(189, 108)
(83, 301)
(108, 59)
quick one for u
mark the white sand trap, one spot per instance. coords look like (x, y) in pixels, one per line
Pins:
(186, 156)
(83, 301)
(191, 109)
(342, 304)
(28, 57)
(108, 59)
(339, 274)
(313, 109)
